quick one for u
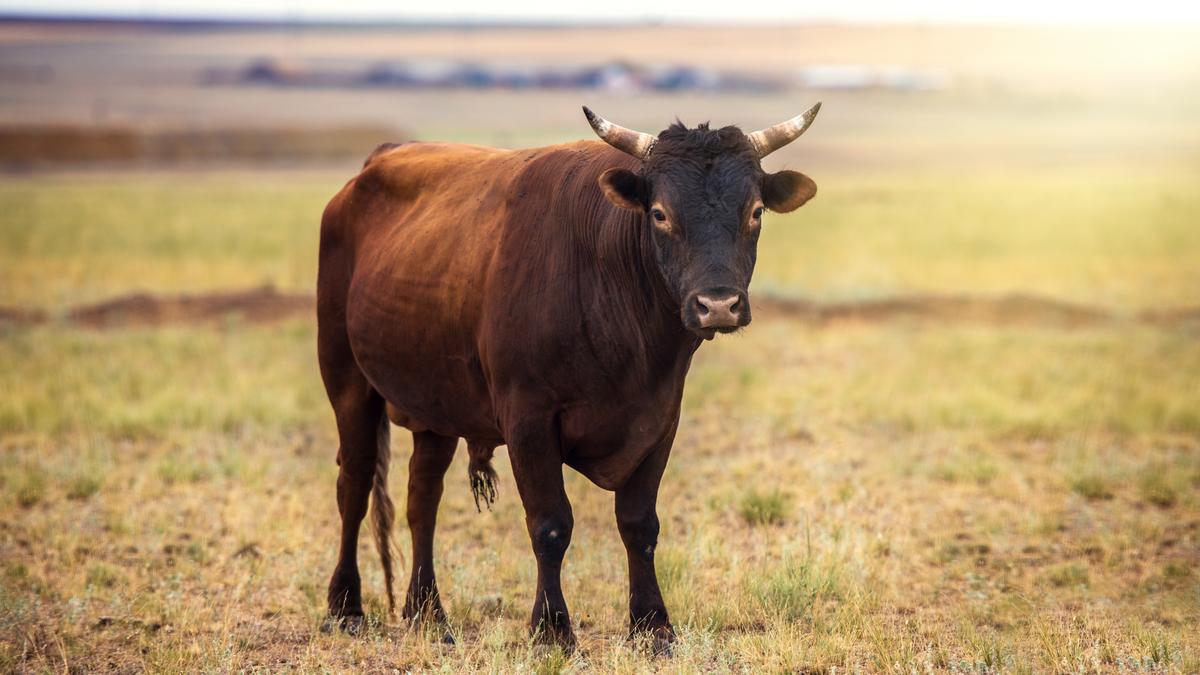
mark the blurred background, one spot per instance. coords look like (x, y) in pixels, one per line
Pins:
(969, 408)
(1002, 125)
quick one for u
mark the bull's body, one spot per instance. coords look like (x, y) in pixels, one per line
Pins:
(549, 300)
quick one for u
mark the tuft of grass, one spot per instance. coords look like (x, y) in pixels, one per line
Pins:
(791, 589)
(947, 552)
(103, 575)
(1177, 571)
(1155, 485)
(1092, 485)
(989, 651)
(1158, 648)
(555, 661)
(763, 508)
(30, 488)
(175, 470)
(1067, 575)
(83, 486)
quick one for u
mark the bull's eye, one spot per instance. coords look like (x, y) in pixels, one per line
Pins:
(758, 213)
(658, 215)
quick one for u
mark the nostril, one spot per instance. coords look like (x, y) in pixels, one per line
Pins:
(701, 307)
(735, 307)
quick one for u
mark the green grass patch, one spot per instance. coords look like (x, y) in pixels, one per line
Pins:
(764, 507)
(29, 487)
(1067, 575)
(103, 575)
(1157, 486)
(83, 486)
(1092, 485)
(790, 589)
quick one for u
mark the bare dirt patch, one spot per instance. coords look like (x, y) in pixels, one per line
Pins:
(1016, 309)
(256, 305)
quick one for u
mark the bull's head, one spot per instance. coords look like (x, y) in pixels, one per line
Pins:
(703, 193)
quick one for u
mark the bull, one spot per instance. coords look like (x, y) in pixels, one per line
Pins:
(546, 299)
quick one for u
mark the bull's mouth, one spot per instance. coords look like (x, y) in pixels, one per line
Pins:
(710, 333)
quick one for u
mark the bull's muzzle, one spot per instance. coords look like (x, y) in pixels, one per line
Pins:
(719, 310)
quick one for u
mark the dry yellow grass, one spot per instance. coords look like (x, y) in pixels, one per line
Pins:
(167, 505)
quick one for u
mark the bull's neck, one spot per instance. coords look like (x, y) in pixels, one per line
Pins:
(617, 263)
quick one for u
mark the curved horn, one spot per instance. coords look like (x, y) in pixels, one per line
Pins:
(626, 140)
(768, 140)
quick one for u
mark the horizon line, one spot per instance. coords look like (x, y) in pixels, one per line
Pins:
(227, 20)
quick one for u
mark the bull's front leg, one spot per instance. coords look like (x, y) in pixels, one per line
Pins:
(637, 519)
(533, 449)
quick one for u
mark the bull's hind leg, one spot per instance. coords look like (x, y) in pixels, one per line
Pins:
(363, 435)
(363, 451)
(426, 471)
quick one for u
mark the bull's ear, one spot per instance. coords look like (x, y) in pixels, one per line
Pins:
(624, 188)
(785, 191)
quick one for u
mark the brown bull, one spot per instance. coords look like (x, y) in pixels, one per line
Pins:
(549, 300)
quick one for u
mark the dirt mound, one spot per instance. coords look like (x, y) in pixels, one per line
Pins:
(1020, 309)
(20, 316)
(265, 304)
(143, 309)
(1174, 315)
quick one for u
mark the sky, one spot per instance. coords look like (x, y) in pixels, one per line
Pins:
(1094, 12)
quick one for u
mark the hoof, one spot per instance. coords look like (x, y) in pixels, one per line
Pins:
(555, 637)
(432, 624)
(663, 646)
(350, 625)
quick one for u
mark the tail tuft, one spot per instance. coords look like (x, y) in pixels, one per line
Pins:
(482, 475)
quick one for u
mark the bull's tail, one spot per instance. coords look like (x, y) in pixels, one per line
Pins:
(383, 512)
(482, 475)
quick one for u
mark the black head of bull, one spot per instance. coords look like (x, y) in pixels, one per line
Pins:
(703, 191)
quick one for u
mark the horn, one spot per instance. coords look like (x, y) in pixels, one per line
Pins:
(626, 140)
(768, 140)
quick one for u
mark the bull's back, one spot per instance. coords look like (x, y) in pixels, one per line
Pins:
(427, 219)
(406, 248)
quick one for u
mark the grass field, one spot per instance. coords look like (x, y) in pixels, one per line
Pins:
(892, 495)
(1100, 236)
(881, 493)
